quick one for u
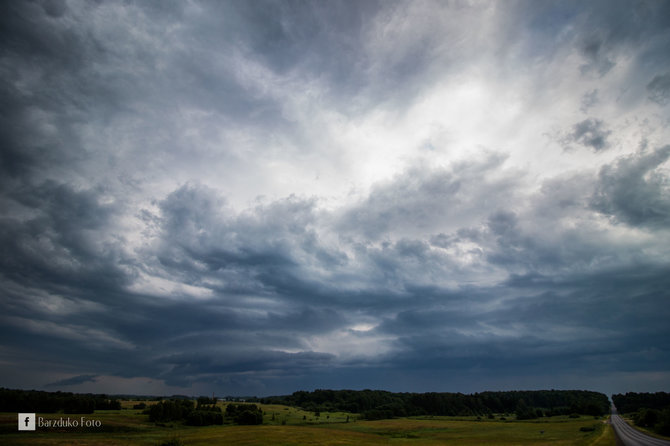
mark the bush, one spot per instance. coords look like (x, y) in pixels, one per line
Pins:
(663, 425)
(204, 418)
(647, 417)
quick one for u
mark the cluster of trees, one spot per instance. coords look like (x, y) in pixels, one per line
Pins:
(52, 402)
(205, 413)
(377, 404)
(248, 414)
(170, 410)
(186, 411)
(632, 402)
(654, 419)
(649, 410)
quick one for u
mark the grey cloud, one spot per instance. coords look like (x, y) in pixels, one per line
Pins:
(590, 133)
(54, 8)
(243, 249)
(593, 48)
(589, 100)
(423, 200)
(538, 330)
(633, 190)
(607, 29)
(248, 360)
(659, 89)
(62, 242)
(80, 379)
(128, 76)
(502, 223)
(441, 323)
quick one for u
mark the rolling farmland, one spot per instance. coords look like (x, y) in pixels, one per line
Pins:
(285, 425)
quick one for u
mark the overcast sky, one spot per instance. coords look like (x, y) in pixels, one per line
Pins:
(254, 198)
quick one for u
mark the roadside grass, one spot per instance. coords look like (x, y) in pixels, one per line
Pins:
(295, 427)
(607, 437)
(645, 430)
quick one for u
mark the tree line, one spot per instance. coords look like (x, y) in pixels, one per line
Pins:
(649, 410)
(377, 404)
(205, 413)
(52, 402)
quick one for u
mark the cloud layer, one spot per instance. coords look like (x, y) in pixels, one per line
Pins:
(256, 198)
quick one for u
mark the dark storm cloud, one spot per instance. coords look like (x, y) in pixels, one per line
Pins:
(245, 250)
(531, 333)
(62, 241)
(262, 253)
(47, 86)
(535, 319)
(118, 75)
(132, 250)
(273, 251)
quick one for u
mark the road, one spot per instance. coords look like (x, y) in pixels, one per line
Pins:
(630, 436)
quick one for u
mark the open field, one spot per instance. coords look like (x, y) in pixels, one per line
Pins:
(294, 427)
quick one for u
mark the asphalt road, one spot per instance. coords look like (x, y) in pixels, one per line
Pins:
(630, 436)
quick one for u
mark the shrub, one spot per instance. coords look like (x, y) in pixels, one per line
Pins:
(204, 418)
(647, 417)
(663, 425)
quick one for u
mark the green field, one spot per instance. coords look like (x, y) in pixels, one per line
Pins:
(290, 426)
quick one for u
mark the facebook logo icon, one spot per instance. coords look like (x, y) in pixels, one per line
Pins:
(26, 421)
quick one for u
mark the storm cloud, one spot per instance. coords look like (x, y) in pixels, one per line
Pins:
(262, 197)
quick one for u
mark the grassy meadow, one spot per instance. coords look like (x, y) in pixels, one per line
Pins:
(290, 426)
